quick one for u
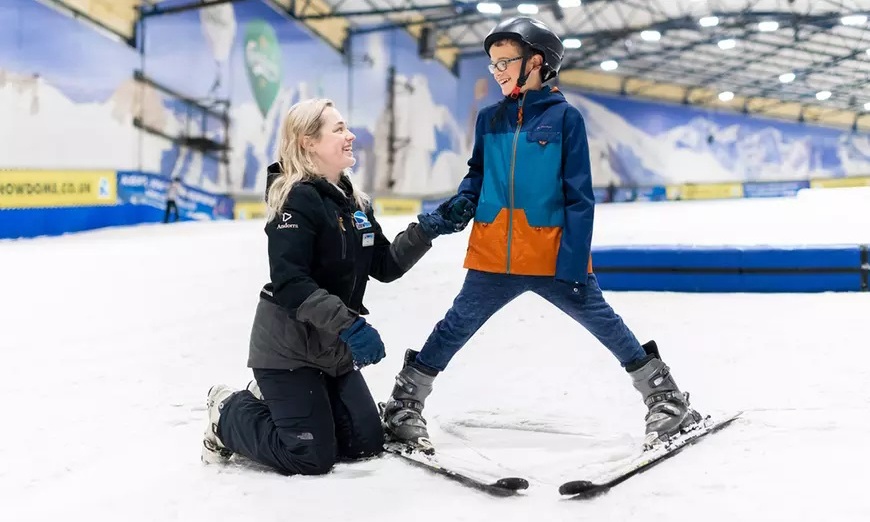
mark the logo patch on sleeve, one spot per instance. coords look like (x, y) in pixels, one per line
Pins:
(285, 217)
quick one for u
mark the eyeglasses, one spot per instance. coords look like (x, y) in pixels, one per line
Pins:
(501, 65)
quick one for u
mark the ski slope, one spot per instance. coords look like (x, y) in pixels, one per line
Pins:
(111, 339)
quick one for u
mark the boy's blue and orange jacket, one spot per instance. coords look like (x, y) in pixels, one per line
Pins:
(529, 174)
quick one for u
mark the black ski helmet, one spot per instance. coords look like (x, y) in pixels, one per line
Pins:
(535, 35)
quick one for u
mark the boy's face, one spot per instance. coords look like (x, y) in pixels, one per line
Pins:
(507, 54)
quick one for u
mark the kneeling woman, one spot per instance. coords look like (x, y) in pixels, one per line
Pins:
(309, 405)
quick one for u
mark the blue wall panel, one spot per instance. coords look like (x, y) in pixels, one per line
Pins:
(732, 269)
(21, 223)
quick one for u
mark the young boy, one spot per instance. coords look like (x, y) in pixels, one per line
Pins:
(529, 189)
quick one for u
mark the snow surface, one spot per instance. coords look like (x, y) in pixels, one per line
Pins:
(112, 338)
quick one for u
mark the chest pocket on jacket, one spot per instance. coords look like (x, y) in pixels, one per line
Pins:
(544, 138)
(543, 150)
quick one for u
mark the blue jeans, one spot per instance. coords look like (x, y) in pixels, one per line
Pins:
(484, 293)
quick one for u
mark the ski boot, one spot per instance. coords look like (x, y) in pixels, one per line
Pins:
(403, 413)
(213, 450)
(669, 411)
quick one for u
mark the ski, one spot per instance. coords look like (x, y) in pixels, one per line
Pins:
(426, 459)
(585, 489)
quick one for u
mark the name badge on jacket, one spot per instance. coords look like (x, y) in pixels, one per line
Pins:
(368, 239)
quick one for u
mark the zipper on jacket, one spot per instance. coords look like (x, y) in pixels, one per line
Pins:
(344, 250)
(511, 180)
(343, 238)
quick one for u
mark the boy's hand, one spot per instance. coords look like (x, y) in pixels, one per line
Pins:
(458, 210)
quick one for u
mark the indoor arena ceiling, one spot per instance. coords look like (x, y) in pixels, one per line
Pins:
(804, 51)
(755, 54)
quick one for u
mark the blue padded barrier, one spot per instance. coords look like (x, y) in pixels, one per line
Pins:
(836, 268)
(33, 222)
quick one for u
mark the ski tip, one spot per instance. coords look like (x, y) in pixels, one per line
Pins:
(582, 489)
(575, 487)
(513, 483)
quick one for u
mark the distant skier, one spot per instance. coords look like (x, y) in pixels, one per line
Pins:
(171, 205)
(529, 189)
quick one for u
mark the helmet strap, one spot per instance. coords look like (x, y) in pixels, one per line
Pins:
(515, 93)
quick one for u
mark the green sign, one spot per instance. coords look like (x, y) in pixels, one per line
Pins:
(263, 63)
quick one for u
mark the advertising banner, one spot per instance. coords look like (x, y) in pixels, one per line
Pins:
(706, 191)
(841, 182)
(56, 188)
(397, 206)
(138, 188)
(773, 189)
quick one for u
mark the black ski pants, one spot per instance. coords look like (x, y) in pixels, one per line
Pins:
(306, 422)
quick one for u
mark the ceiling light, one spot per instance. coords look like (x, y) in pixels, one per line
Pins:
(489, 8)
(726, 96)
(867, 106)
(569, 3)
(728, 43)
(528, 9)
(854, 20)
(651, 36)
(786, 78)
(709, 21)
(768, 26)
(823, 95)
(572, 43)
(609, 65)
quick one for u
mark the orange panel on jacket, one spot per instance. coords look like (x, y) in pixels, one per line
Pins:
(534, 250)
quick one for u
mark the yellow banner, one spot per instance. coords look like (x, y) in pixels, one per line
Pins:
(397, 206)
(709, 191)
(57, 188)
(840, 182)
(249, 210)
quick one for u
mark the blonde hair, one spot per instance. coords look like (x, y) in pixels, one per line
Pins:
(303, 119)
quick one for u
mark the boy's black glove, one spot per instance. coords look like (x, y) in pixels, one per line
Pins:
(458, 210)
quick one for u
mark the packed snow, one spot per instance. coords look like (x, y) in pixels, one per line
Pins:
(111, 339)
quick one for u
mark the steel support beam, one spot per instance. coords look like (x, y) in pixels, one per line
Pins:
(387, 11)
(434, 21)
